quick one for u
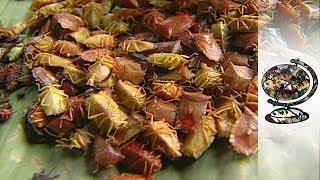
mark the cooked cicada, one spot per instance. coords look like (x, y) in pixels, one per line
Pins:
(67, 48)
(100, 41)
(157, 109)
(75, 74)
(244, 23)
(166, 90)
(92, 13)
(105, 112)
(53, 101)
(47, 59)
(134, 45)
(208, 77)
(80, 139)
(100, 70)
(166, 60)
(163, 137)
(201, 138)
(131, 96)
(92, 55)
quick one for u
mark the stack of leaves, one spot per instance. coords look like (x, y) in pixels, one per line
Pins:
(135, 82)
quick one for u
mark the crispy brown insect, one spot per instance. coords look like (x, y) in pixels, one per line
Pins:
(152, 19)
(131, 96)
(80, 35)
(60, 126)
(192, 107)
(201, 138)
(226, 6)
(74, 74)
(53, 101)
(92, 55)
(235, 58)
(105, 154)
(168, 47)
(157, 109)
(114, 26)
(67, 48)
(15, 30)
(166, 60)
(244, 135)
(208, 46)
(166, 90)
(43, 76)
(100, 70)
(128, 70)
(80, 139)
(175, 25)
(64, 23)
(37, 4)
(244, 23)
(163, 137)
(139, 159)
(238, 77)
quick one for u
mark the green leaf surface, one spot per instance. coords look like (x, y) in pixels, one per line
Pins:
(20, 160)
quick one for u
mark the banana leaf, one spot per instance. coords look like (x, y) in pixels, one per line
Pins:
(20, 160)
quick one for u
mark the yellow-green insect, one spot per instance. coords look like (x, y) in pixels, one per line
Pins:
(100, 41)
(100, 70)
(207, 77)
(164, 137)
(105, 112)
(134, 45)
(75, 74)
(113, 26)
(131, 96)
(81, 35)
(167, 60)
(80, 139)
(198, 141)
(48, 59)
(53, 101)
(92, 13)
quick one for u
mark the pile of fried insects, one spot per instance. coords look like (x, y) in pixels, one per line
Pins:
(134, 82)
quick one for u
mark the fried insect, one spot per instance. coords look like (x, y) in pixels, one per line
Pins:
(221, 32)
(43, 76)
(75, 74)
(168, 47)
(66, 22)
(37, 4)
(244, 23)
(163, 137)
(131, 96)
(244, 135)
(92, 55)
(192, 107)
(238, 77)
(166, 90)
(208, 46)
(80, 35)
(226, 6)
(53, 101)
(208, 77)
(15, 30)
(44, 43)
(152, 19)
(226, 114)
(100, 70)
(67, 48)
(133, 45)
(105, 154)
(80, 139)
(114, 26)
(105, 112)
(100, 41)
(47, 59)
(128, 70)
(140, 159)
(157, 109)
(201, 138)
(166, 60)
(92, 13)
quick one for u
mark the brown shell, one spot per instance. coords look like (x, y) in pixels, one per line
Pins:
(161, 110)
(44, 76)
(208, 46)
(244, 136)
(105, 154)
(238, 77)
(67, 48)
(92, 55)
(127, 69)
(192, 107)
(68, 21)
